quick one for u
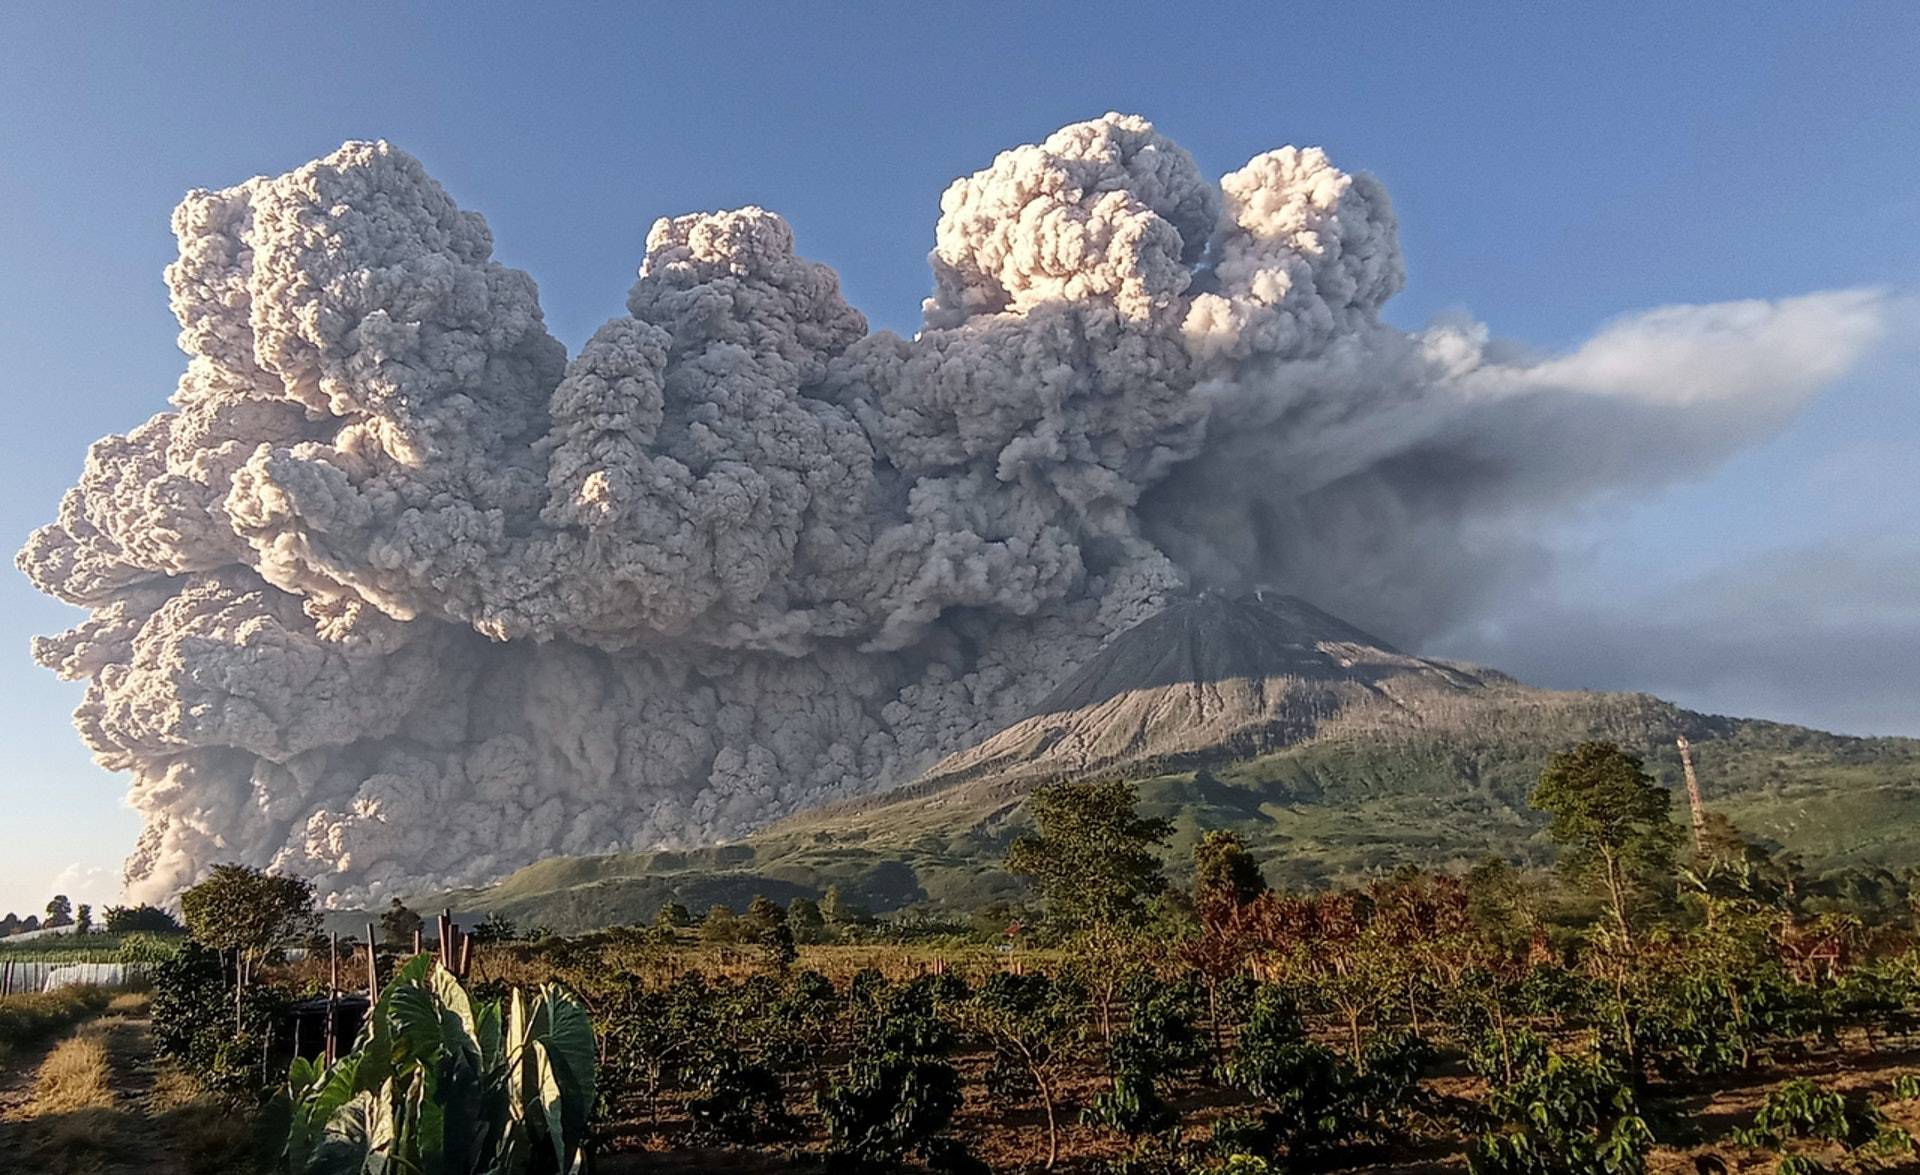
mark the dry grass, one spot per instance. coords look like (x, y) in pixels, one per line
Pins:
(27, 1019)
(77, 1075)
(129, 1003)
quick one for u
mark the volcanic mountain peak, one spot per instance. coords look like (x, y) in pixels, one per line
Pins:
(1213, 675)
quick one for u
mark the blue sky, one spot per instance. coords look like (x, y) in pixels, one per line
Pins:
(1551, 169)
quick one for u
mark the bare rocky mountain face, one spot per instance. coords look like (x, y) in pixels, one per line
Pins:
(1217, 676)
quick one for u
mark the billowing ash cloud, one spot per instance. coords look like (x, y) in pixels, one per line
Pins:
(395, 593)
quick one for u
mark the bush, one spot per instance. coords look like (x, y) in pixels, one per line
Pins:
(198, 1023)
(1568, 1115)
(29, 1019)
(1800, 1109)
(897, 1092)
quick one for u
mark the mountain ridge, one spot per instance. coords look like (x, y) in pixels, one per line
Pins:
(1336, 755)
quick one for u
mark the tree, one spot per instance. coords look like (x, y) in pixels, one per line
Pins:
(1032, 1023)
(59, 912)
(804, 917)
(673, 916)
(496, 927)
(151, 919)
(1225, 875)
(1611, 819)
(766, 927)
(720, 925)
(1090, 855)
(398, 925)
(840, 914)
(83, 919)
(250, 913)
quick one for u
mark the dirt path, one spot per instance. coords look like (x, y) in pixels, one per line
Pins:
(155, 1124)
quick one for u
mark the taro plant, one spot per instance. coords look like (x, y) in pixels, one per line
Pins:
(438, 1083)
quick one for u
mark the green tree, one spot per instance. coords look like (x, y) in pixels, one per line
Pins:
(152, 919)
(1225, 875)
(1091, 856)
(1611, 820)
(497, 927)
(59, 912)
(250, 913)
(398, 925)
(720, 926)
(83, 919)
(672, 916)
(839, 914)
(766, 927)
(804, 917)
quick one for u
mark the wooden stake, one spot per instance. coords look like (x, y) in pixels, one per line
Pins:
(373, 968)
(332, 1033)
(1693, 795)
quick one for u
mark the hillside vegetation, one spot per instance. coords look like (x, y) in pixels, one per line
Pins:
(1355, 802)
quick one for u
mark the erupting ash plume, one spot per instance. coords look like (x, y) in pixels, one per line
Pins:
(396, 594)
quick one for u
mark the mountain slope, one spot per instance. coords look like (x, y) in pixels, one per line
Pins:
(1334, 754)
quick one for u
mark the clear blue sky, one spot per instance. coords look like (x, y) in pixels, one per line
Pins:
(1552, 166)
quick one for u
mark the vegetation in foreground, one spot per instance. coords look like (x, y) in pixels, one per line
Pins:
(1669, 999)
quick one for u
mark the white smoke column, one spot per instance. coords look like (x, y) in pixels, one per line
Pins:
(396, 595)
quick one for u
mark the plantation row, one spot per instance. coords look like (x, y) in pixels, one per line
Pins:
(1140, 1025)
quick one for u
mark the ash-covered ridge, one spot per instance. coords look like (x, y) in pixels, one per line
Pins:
(1215, 676)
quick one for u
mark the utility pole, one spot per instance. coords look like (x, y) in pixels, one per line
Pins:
(1693, 795)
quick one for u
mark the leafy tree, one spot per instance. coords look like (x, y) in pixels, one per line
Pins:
(839, 914)
(398, 925)
(59, 912)
(1611, 819)
(897, 1092)
(150, 919)
(1225, 875)
(765, 926)
(496, 928)
(83, 919)
(1562, 1114)
(1090, 854)
(672, 916)
(720, 926)
(250, 913)
(804, 917)
(1032, 1023)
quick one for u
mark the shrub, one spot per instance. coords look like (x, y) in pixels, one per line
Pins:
(897, 1092)
(29, 1019)
(1570, 1115)
(198, 1022)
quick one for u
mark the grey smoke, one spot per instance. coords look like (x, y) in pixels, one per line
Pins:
(396, 594)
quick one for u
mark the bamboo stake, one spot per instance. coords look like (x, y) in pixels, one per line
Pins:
(1693, 795)
(373, 967)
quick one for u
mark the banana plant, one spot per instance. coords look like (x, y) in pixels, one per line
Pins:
(439, 1085)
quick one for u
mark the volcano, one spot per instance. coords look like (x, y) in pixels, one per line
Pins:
(1216, 677)
(1334, 755)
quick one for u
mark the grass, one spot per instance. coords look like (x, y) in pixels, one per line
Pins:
(29, 1019)
(90, 1112)
(76, 1075)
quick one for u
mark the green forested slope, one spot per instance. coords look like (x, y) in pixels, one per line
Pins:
(1358, 799)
